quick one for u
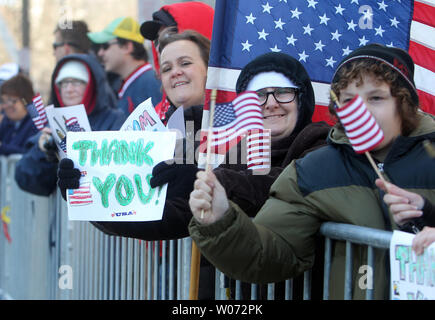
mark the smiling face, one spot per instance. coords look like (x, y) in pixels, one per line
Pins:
(72, 91)
(13, 107)
(281, 118)
(379, 101)
(183, 73)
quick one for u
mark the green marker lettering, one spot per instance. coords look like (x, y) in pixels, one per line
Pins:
(83, 146)
(105, 188)
(124, 182)
(143, 198)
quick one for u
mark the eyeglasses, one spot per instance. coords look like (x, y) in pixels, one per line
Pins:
(74, 82)
(9, 101)
(281, 95)
(107, 45)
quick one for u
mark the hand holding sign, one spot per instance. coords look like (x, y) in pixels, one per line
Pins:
(116, 169)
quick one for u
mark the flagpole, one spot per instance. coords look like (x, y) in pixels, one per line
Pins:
(368, 155)
(196, 256)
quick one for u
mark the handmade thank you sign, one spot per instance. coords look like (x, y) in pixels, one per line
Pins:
(116, 169)
(412, 276)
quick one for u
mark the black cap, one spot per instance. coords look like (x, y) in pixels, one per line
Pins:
(149, 29)
(397, 59)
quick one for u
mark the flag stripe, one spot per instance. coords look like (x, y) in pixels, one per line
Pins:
(424, 13)
(422, 55)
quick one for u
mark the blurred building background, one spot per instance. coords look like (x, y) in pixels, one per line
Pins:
(26, 28)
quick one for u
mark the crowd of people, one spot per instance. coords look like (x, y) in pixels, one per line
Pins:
(256, 228)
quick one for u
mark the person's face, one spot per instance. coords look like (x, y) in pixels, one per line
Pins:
(72, 91)
(60, 49)
(280, 117)
(112, 56)
(183, 73)
(13, 107)
(381, 104)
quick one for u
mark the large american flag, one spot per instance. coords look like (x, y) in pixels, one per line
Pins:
(320, 33)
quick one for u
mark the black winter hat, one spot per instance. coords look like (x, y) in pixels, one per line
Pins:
(150, 29)
(397, 59)
(293, 70)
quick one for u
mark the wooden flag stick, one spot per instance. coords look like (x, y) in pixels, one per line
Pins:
(368, 155)
(210, 135)
(195, 261)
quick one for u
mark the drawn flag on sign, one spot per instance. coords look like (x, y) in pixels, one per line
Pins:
(81, 196)
(37, 112)
(231, 121)
(361, 127)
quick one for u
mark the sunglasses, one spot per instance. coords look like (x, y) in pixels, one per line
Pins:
(107, 45)
(61, 44)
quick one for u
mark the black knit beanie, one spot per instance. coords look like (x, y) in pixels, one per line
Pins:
(293, 70)
(397, 59)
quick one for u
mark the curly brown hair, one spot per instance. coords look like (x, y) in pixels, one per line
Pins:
(355, 70)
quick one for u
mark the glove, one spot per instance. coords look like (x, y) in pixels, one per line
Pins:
(50, 150)
(179, 176)
(68, 176)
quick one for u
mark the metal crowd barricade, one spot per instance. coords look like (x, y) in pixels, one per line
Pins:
(53, 258)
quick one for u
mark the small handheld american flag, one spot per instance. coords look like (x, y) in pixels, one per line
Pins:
(361, 128)
(231, 121)
(37, 112)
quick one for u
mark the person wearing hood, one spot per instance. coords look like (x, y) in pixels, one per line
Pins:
(189, 15)
(77, 79)
(332, 183)
(17, 126)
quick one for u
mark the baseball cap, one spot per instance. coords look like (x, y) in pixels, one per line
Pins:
(123, 27)
(149, 29)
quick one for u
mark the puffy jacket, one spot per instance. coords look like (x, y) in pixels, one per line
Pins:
(33, 172)
(332, 183)
(13, 138)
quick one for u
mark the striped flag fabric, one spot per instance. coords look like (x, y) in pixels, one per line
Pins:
(258, 149)
(81, 196)
(320, 34)
(37, 112)
(233, 120)
(361, 127)
(72, 124)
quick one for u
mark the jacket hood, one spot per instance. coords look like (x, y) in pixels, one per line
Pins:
(105, 98)
(192, 15)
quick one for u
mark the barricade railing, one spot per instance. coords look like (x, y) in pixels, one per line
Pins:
(50, 257)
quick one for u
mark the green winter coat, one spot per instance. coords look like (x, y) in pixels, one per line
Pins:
(332, 183)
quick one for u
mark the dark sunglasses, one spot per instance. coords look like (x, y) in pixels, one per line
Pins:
(107, 45)
(61, 44)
